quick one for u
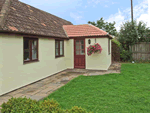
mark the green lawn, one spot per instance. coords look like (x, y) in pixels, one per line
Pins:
(128, 92)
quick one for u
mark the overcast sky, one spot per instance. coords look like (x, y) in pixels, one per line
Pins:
(82, 11)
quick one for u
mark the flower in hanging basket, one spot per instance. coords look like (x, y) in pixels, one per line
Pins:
(94, 49)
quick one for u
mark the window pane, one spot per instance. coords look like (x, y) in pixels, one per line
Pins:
(81, 52)
(26, 55)
(77, 42)
(77, 52)
(61, 44)
(56, 44)
(82, 46)
(77, 47)
(34, 49)
(26, 44)
(82, 42)
(26, 50)
(56, 52)
(34, 54)
(34, 44)
(61, 51)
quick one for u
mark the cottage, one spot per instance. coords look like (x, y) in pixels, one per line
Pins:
(35, 44)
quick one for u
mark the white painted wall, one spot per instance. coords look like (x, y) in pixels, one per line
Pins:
(98, 61)
(15, 74)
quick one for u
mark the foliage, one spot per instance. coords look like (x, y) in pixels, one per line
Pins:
(125, 55)
(106, 26)
(76, 109)
(20, 105)
(24, 105)
(94, 49)
(131, 33)
(116, 42)
(115, 53)
(49, 105)
(127, 92)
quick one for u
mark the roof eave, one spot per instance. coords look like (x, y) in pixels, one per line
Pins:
(93, 36)
(30, 35)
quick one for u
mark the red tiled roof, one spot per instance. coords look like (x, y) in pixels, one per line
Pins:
(83, 30)
(19, 17)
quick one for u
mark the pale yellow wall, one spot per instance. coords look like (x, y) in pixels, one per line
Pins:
(98, 61)
(15, 74)
(70, 54)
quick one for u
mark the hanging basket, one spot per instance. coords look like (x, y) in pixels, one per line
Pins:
(96, 48)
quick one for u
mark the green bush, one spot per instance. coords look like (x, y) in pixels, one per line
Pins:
(20, 105)
(49, 106)
(25, 105)
(125, 55)
(76, 109)
(116, 42)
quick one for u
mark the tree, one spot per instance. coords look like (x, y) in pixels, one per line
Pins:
(106, 26)
(133, 32)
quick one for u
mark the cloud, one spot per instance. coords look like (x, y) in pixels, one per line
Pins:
(115, 3)
(118, 18)
(85, 6)
(104, 3)
(106, 6)
(149, 12)
(78, 18)
(54, 4)
(75, 16)
(140, 12)
(94, 3)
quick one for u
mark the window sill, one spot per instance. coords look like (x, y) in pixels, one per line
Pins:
(59, 56)
(28, 62)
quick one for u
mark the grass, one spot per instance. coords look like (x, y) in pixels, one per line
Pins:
(127, 92)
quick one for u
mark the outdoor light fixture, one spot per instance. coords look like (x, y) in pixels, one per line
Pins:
(89, 41)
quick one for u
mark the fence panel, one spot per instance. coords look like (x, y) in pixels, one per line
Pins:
(141, 51)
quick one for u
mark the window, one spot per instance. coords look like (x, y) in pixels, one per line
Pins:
(59, 48)
(30, 50)
(108, 46)
(80, 47)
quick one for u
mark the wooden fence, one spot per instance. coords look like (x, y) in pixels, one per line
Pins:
(141, 51)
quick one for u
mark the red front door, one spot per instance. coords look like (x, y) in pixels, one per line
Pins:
(79, 53)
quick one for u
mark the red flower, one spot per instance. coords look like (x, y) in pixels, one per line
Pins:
(94, 48)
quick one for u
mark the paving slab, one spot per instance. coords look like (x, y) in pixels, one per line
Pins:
(46, 90)
(44, 87)
(18, 95)
(39, 97)
(27, 96)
